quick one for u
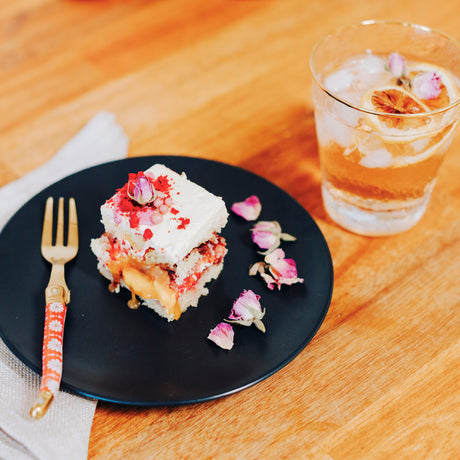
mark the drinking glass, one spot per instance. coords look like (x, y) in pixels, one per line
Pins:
(379, 165)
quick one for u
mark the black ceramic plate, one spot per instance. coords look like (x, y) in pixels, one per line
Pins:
(134, 356)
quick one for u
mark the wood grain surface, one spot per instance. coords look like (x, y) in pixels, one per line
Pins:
(229, 80)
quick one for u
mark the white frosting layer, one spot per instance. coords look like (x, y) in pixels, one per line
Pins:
(207, 214)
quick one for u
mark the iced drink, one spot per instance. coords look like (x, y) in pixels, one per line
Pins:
(384, 122)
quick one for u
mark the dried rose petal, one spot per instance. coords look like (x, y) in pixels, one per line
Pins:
(283, 270)
(141, 190)
(397, 65)
(247, 310)
(258, 267)
(280, 270)
(426, 85)
(222, 335)
(249, 209)
(268, 235)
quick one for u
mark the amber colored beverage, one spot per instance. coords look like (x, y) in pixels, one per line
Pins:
(380, 143)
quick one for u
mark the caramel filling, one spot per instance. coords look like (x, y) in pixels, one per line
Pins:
(154, 281)
(154, 285)
(156, 288)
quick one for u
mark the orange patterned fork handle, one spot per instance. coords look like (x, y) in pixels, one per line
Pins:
(53, 335)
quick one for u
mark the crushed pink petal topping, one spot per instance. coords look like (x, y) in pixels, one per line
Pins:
(249, 209)
(276, 270)
(141, 190)
(397, 65)
(222, 335)
(116, 217)
(247, 310)
(145, 217)
(426, 85)
(268, 235)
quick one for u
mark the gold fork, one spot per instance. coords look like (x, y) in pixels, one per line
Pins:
(57, 295)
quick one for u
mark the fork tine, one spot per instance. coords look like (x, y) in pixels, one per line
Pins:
(60, 223)
(72, 239)
(47, 232)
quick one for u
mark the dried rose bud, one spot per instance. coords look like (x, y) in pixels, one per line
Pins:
(141, 190)
(397, 65)
(222, 335)
(426, 85)
(247, 310)
(268, 235)
(249, 209)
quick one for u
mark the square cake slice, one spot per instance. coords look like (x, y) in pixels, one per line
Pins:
(161, 240)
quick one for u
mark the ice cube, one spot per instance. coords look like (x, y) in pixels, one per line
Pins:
(420, 145)
(339, 81)
(372, 64)
(380, 158)
(348, 115)
(370, 72)
(329, 129)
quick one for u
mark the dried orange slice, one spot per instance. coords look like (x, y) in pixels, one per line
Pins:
(394, 102)
(438, 144)
(449, 90)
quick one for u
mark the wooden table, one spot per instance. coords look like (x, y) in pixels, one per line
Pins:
(229, 80)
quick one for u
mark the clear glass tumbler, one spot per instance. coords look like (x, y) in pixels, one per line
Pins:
(387, 103)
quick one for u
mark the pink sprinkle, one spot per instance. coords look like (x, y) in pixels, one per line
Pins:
(163, 209)
(168, 201)
(156, 218)
(116, 218)
(158, 202)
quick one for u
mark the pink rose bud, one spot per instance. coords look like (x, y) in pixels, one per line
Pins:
(141, 190)
(426, 85)
(247, 310)
(222, 335)
(397, 65)
(268, 235)
(249, 209)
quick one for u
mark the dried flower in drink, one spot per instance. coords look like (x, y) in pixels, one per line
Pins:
(397, 65)
(249, 209)
(426, 85)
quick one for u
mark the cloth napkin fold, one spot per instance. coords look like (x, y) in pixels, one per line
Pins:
(63, 433)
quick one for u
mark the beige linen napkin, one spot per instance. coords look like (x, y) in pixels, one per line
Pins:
(63, 433)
